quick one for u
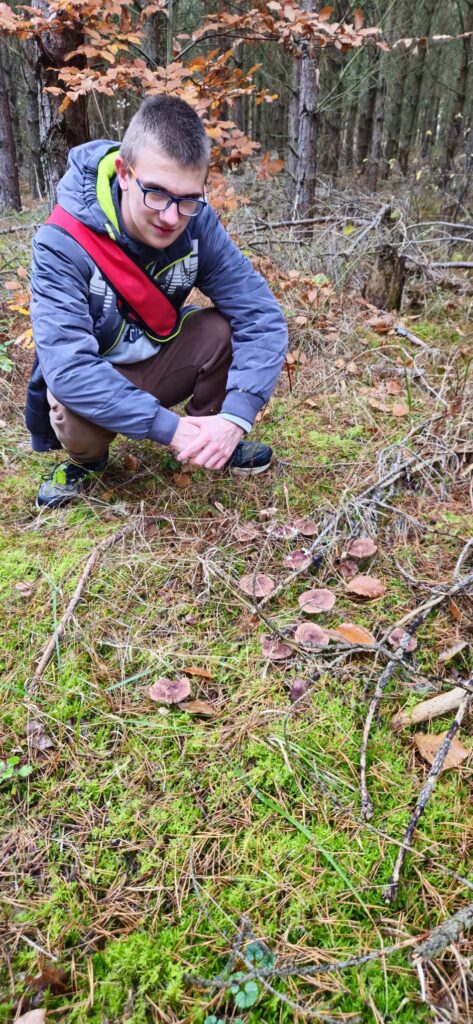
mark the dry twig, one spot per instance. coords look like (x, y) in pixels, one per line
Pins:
(48, 652)
(392, 887)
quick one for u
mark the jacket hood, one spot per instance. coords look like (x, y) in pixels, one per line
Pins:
(85, 189)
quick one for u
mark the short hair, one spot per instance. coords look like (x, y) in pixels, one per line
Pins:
(171, 125)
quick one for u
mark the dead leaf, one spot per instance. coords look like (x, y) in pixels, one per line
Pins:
(182, 479)
(281, 531)
(397, 635)
(366, 586)
(32, 1017)
(193, 670)
(393, 387)
(298, 560)
(352, 367)
(167, 691)
(198, 707)
(380, 324)
(311, 403)
(131, 462)
(353, 634)
(274, 649)
(52, 979)
(378, 403)
(315, 601)
(429, 744)
(256, 586)
(452, 651)
(309, 633)
(299, 688)
(306, 526)
(400, 409)
(362, 547)
(246, 533)
(37, 736)
(454, 611)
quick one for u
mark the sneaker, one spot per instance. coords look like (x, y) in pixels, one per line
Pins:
(68, 481)
(249, 458)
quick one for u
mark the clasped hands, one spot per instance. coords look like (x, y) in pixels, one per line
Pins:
(206, 441)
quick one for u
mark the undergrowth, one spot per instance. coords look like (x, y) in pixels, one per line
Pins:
(145, 840)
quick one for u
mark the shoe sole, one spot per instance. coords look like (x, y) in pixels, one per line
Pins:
(251, 471)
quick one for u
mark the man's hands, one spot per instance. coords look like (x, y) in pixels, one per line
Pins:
(206, 441)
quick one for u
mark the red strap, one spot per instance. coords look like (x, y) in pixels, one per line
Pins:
(143, 297)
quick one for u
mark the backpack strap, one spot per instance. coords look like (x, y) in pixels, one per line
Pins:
(139, 299)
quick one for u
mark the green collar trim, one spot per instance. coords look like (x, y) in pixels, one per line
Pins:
(106, 171)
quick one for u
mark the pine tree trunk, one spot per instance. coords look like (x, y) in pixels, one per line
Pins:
(366, 107)
(304, 196)
(457, 117)
(36, 176)
(293, 120)
(412, 93)
(9, 182)
(331, 103)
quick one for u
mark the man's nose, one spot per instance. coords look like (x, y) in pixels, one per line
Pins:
(170, 216)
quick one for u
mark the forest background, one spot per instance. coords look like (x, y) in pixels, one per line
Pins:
(269, 840)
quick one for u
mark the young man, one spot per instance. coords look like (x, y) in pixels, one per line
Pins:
(105, 371)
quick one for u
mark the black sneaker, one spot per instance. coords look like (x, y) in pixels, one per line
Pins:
(250, 458)
(68, 481)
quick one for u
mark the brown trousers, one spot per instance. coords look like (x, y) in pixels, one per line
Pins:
(193, 366)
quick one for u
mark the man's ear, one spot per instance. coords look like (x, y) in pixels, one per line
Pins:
(122, 173)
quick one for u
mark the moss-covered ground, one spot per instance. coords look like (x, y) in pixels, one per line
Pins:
(147, 846)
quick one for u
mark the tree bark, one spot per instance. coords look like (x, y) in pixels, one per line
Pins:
(293, 122)
(59, 130)
(304, 196)
(457, 115)
(412, 94)
(9, 181)
(331, 103)
(366, 107)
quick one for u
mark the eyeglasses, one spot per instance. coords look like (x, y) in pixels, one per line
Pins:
(154, 199)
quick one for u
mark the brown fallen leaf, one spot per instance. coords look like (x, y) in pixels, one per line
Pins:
(353, 634)
(198, 707)
(167, 691)
(315, 601)
(309, 633)
(397, 635)
(362, 547)
(193, 670)
(274, 649)
(366, 586)
(380, 324)
(299, 688)
(256, 586)
(393, 387)
(429, 744)
(182, 479)
(52, 979)
(451, 652)
(298, 560)
(32, 1017)
(400, 409)
(311, 403)
(131, 462)
(378, 403)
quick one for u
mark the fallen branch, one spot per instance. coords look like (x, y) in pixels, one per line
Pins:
(402, 332)
(431, 708)
(427, 790)
(366, 803)
(109, 542)
(445, 933)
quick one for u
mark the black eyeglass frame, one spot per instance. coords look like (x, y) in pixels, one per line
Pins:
(171, 199)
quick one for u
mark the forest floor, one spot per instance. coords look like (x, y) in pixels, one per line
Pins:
(152, 859)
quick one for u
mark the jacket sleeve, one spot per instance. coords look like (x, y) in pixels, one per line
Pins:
(259, 331)
(68, 352)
